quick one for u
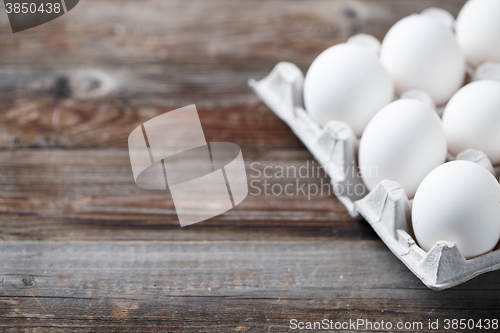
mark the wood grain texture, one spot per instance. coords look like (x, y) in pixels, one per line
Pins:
(88, 78)
(220, 286)
(91, 195)
(83, 249)
(226, 32)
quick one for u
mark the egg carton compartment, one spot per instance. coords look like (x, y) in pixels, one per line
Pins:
(386, 208)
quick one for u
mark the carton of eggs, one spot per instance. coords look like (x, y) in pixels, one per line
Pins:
(347, 82)
(420, 52)
(386, 207)
(403, 142)
(459, 202)
(478, 31)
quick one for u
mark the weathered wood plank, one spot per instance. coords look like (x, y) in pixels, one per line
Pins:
(143, 58)
(200, 31)
(193, 286)
(91, 195)
(60, 108)
(46, 122)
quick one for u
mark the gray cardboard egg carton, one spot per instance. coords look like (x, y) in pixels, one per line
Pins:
(386, 208)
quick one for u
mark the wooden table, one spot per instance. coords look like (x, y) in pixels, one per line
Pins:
(84, 249)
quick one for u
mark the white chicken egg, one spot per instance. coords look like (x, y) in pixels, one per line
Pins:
(348, 83)
(403, 142)
(458, 202)
(471, 119)
(421, 53)
(478, 31)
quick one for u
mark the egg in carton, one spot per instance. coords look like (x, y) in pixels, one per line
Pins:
(386, 208)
